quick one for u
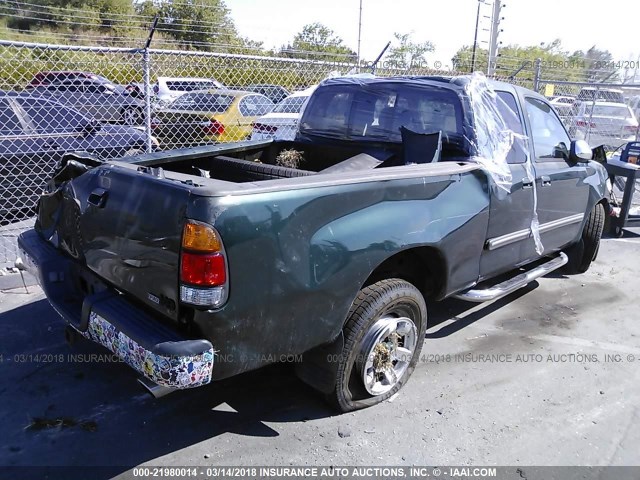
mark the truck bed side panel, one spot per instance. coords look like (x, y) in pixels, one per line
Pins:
(298, 258)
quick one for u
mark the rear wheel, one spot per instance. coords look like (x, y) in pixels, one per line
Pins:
(131, 115)
(585, 251)
(383, 338)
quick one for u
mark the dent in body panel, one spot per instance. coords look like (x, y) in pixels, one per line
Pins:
(300, 257)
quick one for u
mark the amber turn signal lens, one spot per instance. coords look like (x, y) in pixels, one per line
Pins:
(200, 238)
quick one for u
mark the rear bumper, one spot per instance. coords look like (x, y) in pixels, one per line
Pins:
(103, 315)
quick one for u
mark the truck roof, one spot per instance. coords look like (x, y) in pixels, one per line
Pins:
(453, 82)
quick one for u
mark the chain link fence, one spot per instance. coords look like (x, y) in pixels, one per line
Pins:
(112, 102)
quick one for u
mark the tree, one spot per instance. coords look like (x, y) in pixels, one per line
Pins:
(556, 63)
(407, 54)
(318, 41)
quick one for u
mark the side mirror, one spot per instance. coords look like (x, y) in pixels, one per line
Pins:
(580, 152)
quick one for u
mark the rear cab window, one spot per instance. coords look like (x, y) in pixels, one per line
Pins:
(378, 111)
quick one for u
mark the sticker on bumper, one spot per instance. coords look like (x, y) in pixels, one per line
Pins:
(168, 371)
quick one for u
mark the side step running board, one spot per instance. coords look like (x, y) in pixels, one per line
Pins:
(513, 284)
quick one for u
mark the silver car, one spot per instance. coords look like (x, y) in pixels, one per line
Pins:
(96, 98)
(604, 123)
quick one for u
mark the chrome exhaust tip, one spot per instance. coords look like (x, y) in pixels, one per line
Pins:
(154, 389)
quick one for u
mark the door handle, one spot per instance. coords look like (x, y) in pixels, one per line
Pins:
(98, 197)
(527, 183)
(545, 181)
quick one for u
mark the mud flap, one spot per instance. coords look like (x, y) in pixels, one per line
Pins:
(319, 366)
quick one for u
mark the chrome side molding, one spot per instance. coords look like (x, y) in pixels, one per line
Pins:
(513, 237)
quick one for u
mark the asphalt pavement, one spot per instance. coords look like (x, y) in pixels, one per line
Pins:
(546, 376)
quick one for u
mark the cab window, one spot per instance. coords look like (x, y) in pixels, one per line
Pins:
(550, 139)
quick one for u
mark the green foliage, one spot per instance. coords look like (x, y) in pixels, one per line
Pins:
(555, 62)
(407, 54)
(314, 39)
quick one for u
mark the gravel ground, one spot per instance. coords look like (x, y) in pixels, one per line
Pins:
(547, 376)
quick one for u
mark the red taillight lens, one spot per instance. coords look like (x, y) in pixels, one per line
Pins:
(214, 127)
(582, 123)
(630, 129)
(261, 127)
(203, 270)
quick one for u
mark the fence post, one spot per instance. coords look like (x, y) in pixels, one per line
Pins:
(536, 74)
(146, 78)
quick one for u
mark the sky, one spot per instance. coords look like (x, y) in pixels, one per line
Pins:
(448, 24)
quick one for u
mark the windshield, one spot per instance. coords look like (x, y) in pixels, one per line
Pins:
(290, 105)
(378, 112)
(209, 102)
(618, 111)
(192, 85)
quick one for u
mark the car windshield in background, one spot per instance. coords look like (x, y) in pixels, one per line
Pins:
(618, 111)
(209, 102)
(191, 86)
(380, 111)
(290, 105)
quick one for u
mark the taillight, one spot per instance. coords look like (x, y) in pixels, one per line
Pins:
(203, 266)
(203, 269)
(582, 123)
(214, 127)
(630, 128)
(261, 127)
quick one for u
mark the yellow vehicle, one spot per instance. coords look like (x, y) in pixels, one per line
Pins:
(209, 116)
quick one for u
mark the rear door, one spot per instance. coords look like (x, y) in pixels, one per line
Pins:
(560, 184)
(508, 236)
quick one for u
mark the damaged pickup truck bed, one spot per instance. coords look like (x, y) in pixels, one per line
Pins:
(198, 264)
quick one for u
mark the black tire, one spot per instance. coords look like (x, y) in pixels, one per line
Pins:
(585, 251)
(386, 299)
(617, 231)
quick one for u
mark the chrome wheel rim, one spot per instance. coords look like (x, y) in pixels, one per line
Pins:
(130, 116)
(387, 350)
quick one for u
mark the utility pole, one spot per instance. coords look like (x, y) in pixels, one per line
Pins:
(475, 39)
(493, 42)
(359, 32)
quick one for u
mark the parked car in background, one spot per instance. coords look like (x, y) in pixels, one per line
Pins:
(98, 98)
(604, 123)
(563, 105)
(600, 94)
(49, 77)
(35, 133)
(136, 89)
(168, 89)
(634, 103)
(275, 93)
(282, 122)
(209, 116)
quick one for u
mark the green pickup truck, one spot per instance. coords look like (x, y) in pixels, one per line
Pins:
(195, 265)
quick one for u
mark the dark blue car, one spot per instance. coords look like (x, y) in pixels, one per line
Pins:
(35, 133)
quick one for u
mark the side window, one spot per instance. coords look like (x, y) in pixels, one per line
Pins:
(330, 111)
(508, 109)
(50, 118)
(263, 105)
(550, 140)
(247, 107)
(9, 121)
(254, 105)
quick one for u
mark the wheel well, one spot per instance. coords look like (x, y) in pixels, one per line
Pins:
(424, 267)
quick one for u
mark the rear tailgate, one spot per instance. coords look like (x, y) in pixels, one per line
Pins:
(126, 226)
